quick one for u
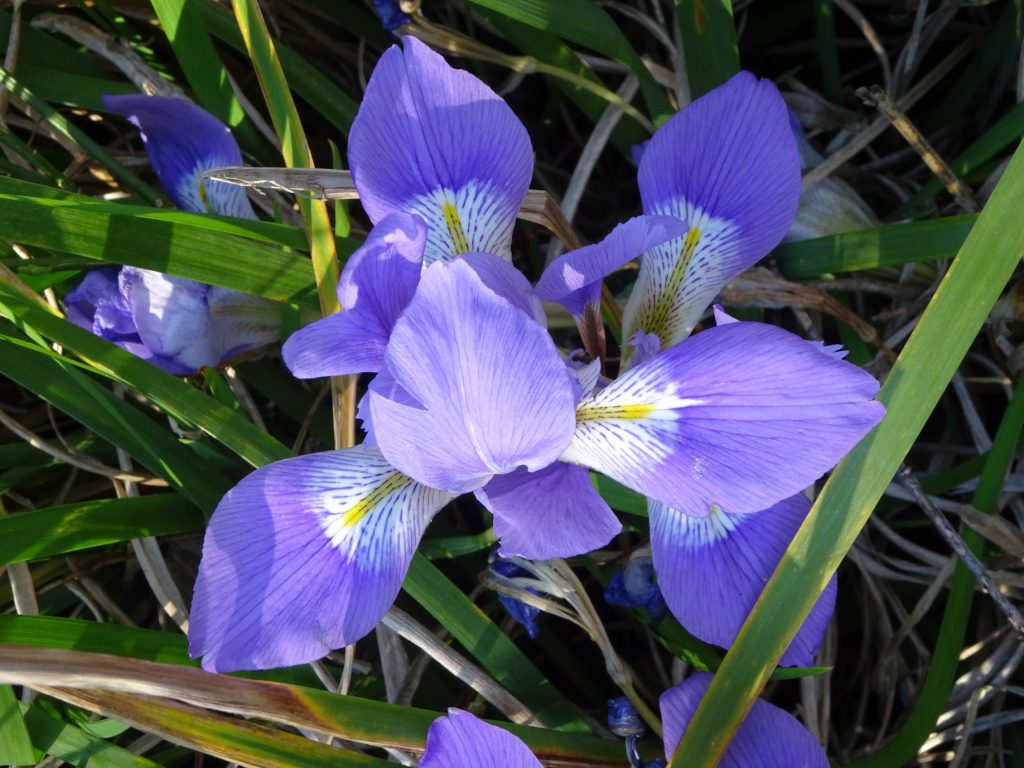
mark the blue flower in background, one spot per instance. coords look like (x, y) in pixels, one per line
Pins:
(390, 14)
(177, 324)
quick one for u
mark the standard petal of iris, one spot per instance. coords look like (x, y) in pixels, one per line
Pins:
(182, 142)
(483, 389)
(574, 278)
(727, 166)
(737, 417)
(711, 570)
(377, 283)
(438, 142)
(769, 737)
(462, 740)
(559, 498)
(304, 556)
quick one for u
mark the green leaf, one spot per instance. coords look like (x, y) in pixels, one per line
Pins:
(488, 645)
(76, 746)
(891, 246)
(183, 25)
(72, 527)
(176, 244)
(586, 23)
(72, 391)
(709, 43)
(15, 743)
(931, 356)
(333, 104)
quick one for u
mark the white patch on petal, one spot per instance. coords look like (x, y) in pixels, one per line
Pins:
(374, 501)
(678, 279)
(474, 218)
(701, 532)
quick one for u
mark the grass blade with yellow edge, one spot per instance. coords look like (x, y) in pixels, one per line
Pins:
(945, 332)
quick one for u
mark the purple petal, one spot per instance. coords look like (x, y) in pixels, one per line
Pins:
(376, 285)
(712, 569)
(438, 142)
(559, 498)
(172, 317)
(727, 165)
(98, 305)
(508, 282)
(737, 417)
(462, 740)
(574, 279)
(183, 141)
(304, 556)
(768, 738)
(484, 390)
(240, 322)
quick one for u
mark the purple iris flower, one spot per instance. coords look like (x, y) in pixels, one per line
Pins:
(769, 737)
(727, 171)
(177, 324)
(471, 395)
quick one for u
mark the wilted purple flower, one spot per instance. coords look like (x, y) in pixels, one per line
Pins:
(524, 613)
(177, 324)
(634, 586)
(769, 737)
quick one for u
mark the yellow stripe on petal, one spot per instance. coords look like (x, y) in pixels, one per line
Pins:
(460, 242)
(632, 411)
(361, 508)
(657, 320)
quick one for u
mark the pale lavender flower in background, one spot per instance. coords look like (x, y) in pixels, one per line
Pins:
(177, 324)
(831, 206)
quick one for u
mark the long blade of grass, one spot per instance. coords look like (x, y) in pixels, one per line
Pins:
(15, 743)
(709, 43)
(362, 720)
(75, 746)
(945, 332)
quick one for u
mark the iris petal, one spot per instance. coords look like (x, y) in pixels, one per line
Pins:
(574, 278)
(769, 737)
(183, 141)
(436, 141)
(481, 388)
(711, 570)
(462, 740)
(377, 283)
(727, 166)
(559, 497)
(304, 556)
(737, 417)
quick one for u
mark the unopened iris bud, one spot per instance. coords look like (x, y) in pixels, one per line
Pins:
(522, 612)
(623, 719)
